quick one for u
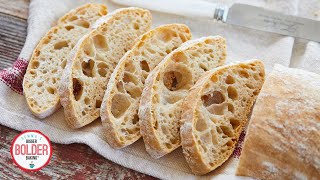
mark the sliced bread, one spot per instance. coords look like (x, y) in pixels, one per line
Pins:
(119, 109)
(93, 60)
(50, 57)
(215, 112)
(166, 87)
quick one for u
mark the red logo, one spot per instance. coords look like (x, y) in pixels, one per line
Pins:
(31, 150)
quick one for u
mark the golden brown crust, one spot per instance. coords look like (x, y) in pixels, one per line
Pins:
(283, 135)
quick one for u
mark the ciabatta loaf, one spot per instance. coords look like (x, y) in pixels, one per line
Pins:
(119, 109)
(215, 112)
(283, 137)
(93, 60)
(50, 57)
(166, 87)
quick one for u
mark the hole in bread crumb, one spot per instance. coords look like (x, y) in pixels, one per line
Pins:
(168, 145)
(129, 67)
(155, 126)
(164, 129)
(174, 140)
(214, 98)
(103, 11)
(144, 66)
(102, 69)
(135, 119)
(132, 131)
(77, 88)
(128, 77)
(87, 68)
(201, 124)
(98, 103)
(218, 129)
(207, 51)
(214, 78)
(209, 41)
(82, 23)
(119, 105)
(86, 101)
(230, 80)
(235, 123)
(50, 90)
(244, 66)
(250, 86)
(120, 87)
(155, 99)
(232, 93)
(168, 51)
(183, 37)
(60, 45)
(229, 143)
(136, 26)
(203, 66)
(100, 42)
(244, 74)
(63, 64)
(39, 84)
(165, 35)
(69, 27)
(37, 53)
(230, 108)
(33, 72)
(83, 113)
(151, 51)
(179, 57)
(255, 92)
(88, 49)
(35, 64)
(72, 18)
(256, 77)
(172, 79)
(133, 91)
(227, 131)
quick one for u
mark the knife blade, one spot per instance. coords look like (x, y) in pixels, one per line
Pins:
(238, 14)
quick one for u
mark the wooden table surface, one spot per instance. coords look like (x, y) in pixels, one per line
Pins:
(75, 161)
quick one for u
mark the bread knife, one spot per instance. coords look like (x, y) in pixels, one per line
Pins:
(238, 14)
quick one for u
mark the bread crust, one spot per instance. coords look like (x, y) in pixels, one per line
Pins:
(32, 97)
(283, 138)
(155, 40)
(198, 161)
(147, 109)
(96, 84)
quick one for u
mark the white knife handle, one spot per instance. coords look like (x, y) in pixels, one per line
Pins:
(190, 8)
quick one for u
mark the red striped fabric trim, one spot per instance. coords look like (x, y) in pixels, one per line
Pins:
(13, 76)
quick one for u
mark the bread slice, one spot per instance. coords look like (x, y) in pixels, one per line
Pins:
(283, 136)
(93, 60)
(166, 87)
(50, 56)
(215, 112)
(119, 109)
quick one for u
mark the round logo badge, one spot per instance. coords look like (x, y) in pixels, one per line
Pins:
(31, 150)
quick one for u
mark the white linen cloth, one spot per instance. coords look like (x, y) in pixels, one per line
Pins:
(243, 44)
